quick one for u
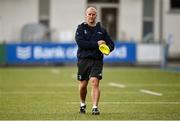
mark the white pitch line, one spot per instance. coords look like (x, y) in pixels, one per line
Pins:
(117, 85)
(150, 92)
(127, 103)
(55, 71)
(74, 76)
(34, 93)
(154, 85)
(89, 120)
(48, 85)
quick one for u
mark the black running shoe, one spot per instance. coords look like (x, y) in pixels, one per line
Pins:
(82, 109)
(95, 111)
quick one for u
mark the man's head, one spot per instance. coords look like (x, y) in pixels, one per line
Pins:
(91, 14)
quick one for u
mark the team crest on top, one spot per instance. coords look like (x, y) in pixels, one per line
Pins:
(99, 32)
(85, 31)
(77, 33)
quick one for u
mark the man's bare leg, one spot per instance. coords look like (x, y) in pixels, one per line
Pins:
(95, 94)
(83, 93)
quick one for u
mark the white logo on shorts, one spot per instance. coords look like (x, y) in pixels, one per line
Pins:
(79, 77)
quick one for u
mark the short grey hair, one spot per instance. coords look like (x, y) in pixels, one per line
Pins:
(91, 8)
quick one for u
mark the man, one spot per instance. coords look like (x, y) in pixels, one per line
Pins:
(89, 36)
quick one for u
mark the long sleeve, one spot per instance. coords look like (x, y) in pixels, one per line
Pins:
(109, 41)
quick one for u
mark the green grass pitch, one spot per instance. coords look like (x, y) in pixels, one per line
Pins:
(51, 93)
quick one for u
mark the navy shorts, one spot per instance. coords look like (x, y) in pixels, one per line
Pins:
(89, 68)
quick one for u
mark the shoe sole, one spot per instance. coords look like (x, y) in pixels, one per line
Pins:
(95, 113)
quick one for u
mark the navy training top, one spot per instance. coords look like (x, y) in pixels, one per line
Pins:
(87, 37)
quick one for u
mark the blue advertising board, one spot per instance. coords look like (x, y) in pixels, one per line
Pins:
(41, 53)
(123, 52)
(24, 53)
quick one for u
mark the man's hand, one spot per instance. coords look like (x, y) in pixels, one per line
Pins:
(101, 42)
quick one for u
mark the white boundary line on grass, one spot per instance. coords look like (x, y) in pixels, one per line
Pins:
(90, 120)
(33, 93)
(55, 71)
(138, 103)
(150, 92)
(74, 76)
(117, 85)
(142, 90)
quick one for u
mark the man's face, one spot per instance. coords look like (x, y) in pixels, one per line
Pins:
(91, 16)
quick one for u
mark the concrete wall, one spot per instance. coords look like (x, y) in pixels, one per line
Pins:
(130, 19)
(14, 14)
(65, 16)
(171, 27)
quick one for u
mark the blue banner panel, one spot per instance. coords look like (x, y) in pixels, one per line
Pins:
(41, 53)
(29, 53)
(123, 52)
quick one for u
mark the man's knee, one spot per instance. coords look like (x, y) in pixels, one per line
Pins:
(83, 85)
(94, 81)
